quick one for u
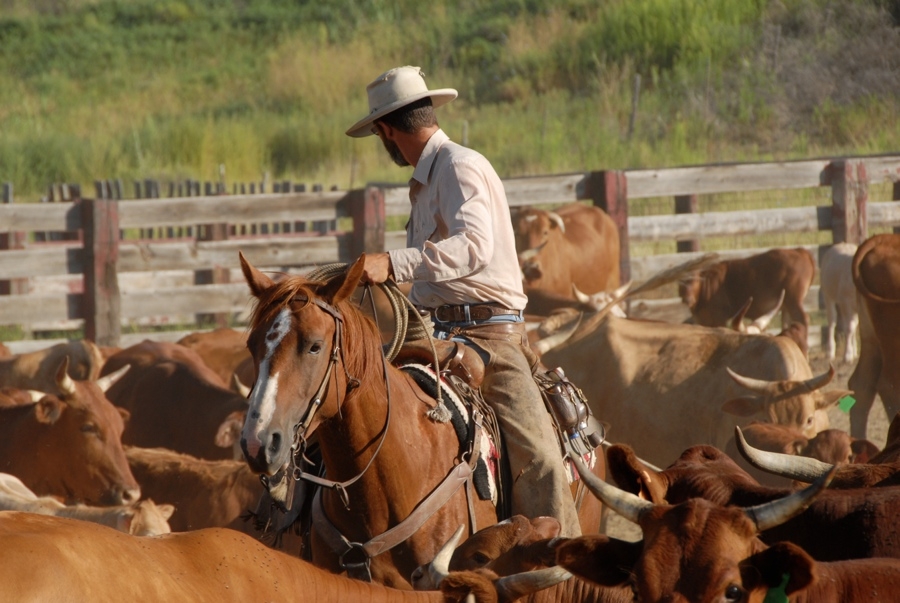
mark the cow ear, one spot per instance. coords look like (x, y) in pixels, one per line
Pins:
(784, 566)
(126, 416)
(831, 397)
(48, 410)
(256, 280)
(342, 287)
(598, 559)
(744, 406)
(230, 429)
(631, 475)
(546, 527)
(166, 511)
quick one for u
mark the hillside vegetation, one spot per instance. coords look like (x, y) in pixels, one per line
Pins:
(174, 89)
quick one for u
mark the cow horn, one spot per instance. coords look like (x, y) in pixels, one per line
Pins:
(440, 567)
(107, 381)
(582, 297)
(624, 503)
(757, 385)
(774, 513)
(65, 383)
(800, 468)
(737, 321)
(555, 217)
(36, 395)
(511, 588)
(822, 380)
(243, 390)
(763, 321)
(556, 339)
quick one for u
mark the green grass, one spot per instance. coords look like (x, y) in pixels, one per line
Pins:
(97, 89)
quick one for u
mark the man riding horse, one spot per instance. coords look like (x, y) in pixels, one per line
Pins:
(461, 260)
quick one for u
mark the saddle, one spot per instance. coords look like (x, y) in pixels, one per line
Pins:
(453, 357)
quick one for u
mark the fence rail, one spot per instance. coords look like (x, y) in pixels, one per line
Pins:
(103, 264)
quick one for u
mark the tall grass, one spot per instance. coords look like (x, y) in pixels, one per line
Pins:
(95, 89)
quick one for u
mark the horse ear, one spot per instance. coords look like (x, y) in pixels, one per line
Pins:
(344, 287)
(257, 281)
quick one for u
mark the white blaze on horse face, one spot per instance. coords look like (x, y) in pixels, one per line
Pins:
(265, 390)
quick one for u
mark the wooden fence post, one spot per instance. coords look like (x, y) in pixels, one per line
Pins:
(608, 189)
(12, 240)
(218, 275)
(366, 208)
(896, 197)
(686, 204)
(849, 195)
(102, 303)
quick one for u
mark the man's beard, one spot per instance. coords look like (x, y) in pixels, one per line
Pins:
(394, 151)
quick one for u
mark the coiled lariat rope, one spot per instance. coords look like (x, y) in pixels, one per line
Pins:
(402, 308)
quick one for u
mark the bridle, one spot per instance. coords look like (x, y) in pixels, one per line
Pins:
(299, 440)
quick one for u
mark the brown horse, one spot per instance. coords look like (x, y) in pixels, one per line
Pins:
(321, 368)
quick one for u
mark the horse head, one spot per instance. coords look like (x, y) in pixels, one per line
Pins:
(296, 333)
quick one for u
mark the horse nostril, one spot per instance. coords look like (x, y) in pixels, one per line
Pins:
(275, 443)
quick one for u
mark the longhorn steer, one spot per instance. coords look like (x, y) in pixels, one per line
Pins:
(700, 552)
(37, 370)
(663, 387)
(575, 245)
(840, 524)
(718, 292)
(876, 274)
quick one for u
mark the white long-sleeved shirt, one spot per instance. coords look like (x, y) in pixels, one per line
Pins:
(460, 246)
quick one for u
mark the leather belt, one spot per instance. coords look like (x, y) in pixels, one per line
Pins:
(471, 312)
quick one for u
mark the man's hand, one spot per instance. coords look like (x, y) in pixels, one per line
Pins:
(377, 268)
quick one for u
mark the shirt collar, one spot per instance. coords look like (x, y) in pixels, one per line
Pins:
(423, 168)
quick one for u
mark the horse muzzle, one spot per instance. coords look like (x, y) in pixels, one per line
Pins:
(266, 453)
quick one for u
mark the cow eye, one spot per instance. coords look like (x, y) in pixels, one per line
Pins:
(90, 428)
(481, 559)
(734, 593)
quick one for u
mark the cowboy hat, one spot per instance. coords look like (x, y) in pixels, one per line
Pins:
(394, 89)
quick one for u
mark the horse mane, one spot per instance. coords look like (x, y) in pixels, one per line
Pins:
(296, 289)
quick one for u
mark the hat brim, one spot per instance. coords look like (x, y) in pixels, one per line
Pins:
(363, 127)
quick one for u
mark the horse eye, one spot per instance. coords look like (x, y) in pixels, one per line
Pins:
(734, 593)
(315, 348)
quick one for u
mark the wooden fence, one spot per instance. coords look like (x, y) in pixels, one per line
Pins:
(100, 249)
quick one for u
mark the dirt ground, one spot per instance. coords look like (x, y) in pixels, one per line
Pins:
(876, 431)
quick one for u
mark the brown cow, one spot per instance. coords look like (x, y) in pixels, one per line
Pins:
(205, 493)
(37, 370)
(69, 445)
(718, 292)
(175, 401)
(512, 547)
(876, 274)
(663, 387)
(222, 350)
(142, 518)
(575, 245)
(700, 552)
(46, 558)
(840, 524)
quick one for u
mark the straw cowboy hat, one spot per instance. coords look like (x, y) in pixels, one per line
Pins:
(394, 89)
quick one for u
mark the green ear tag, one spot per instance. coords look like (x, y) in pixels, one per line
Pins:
(777, 594)
(846, 403)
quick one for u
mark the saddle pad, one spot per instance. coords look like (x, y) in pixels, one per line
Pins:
(488, 460)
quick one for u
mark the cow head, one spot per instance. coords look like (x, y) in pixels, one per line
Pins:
(533, 228)
(74, 444)
(694, 551)
(787, 402)
(518, 544)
